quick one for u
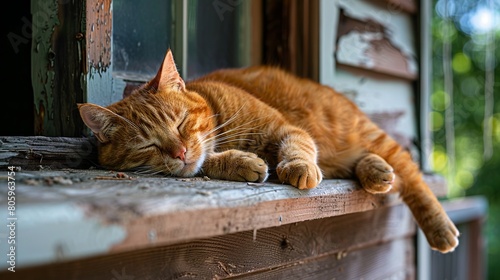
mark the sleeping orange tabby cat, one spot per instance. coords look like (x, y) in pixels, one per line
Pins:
(233, 124)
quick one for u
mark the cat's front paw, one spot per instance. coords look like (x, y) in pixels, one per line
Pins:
(375, 174)
(235, 165)
(249, 167)
(444, 238)
(299, 173)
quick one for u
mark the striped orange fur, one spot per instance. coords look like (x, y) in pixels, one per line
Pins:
(233, 124)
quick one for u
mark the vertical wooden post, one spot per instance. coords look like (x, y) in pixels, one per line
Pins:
(98, 75)
(71, 59)
(291, 36)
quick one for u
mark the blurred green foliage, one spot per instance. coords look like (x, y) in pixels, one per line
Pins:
(466, 25)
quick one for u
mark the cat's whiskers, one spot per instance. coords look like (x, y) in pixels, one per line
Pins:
(219, 144)
(147, 170)
(230, 120)
(231, 132)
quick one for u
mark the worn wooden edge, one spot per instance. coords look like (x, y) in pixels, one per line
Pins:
(41, 152)
(392, 260)
(75, 213)
(341, 240)
(466, 209)
(437, 183)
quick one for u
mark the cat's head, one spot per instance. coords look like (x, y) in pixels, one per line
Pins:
(160, 128)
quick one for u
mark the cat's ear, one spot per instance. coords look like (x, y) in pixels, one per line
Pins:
(167, 77)
(99, 119)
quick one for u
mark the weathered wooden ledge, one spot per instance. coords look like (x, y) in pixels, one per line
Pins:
(74, 218)
(69, 214)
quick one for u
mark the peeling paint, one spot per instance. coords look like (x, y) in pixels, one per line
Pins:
(45, 21)
(98, 22)
(352, 48)
(398, 26)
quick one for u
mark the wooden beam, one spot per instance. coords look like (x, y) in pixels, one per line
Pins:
(56, 67)
(40, 152)
(333, 246)
(71, 61)
(130, 212)
(291, 36)
(367, 45)
(36, 153)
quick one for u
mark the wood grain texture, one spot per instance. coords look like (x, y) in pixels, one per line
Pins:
(408, 6)
(39, 152)
(56, 67)
(53, 153)
(392, 260)
(367, 45)
(291, 36)
(154, 211)
(371, 244)
(98, 26)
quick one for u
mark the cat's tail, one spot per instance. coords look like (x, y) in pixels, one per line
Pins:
(441, 233)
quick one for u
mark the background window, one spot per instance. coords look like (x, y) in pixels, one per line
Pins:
(214, 30)
(141, 35)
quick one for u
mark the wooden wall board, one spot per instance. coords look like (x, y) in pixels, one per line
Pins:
(393, 260)
(382, 96)
(397, 27)
(39, 152)
(365, 44)
(71, 62)
(395, 6)
(291, 36)
(348, 247)
(56, 67)
(396, 31)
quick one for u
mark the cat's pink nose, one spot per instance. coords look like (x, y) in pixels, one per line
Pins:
(180, 153)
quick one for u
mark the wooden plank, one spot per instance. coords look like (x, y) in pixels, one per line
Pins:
(291, 36)
(56, 69)
(463, 210)
(342, 241)
(38, 153)
(408, 6)
(71, 62)
(437, 184)
(424, 86)
(35, 153)
(98, 25)
(393, 260)
(96, 60)
(138, 212)
(366, 44)
(377, 97)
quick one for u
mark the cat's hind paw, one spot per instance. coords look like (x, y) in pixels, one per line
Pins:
(375, 174)
(299, 173)
(444, 239)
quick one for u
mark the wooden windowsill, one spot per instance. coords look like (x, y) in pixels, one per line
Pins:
(70, 214)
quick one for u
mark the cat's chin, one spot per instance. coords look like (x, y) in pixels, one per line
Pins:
(192, 168)
(189, 170)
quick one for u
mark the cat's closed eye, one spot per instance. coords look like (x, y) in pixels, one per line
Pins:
(182, 122)
(149, 147)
